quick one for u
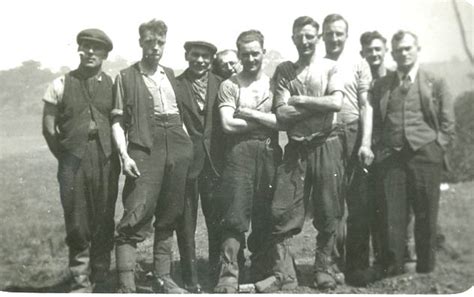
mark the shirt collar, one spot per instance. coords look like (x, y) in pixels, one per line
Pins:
(411, 74)
(159, 70)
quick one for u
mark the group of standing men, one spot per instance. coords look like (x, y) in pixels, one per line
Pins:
(214, 135)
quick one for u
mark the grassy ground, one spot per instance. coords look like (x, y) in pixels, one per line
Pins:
(33, 255)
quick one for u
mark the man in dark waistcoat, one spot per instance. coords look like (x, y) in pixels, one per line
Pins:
(147, 117)
(413, 125)
(77, 129)
(199, 88)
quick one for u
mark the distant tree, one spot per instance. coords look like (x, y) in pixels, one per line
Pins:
(272, 59)
(22, 87)
(112, 67)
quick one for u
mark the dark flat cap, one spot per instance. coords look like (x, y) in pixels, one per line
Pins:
(189, 44)
(95, 35)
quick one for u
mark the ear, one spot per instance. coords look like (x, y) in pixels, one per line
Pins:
(140, 42)
(186, 56)
(264, 51)
(361, 54)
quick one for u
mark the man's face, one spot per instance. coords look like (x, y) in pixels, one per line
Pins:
(251, 56)
(305, 39)
(405, 52)
(153, 45)
(199, 59)
(227, 64)
(92, 54)
(335, 36)
(374, 52)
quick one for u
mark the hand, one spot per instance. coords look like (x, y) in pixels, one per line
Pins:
(295, 100)
(130, 167)
(244, 113)
(366, 156)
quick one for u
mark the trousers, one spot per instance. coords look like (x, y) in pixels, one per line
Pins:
(159, 191)
(412, 177)
(88, 189)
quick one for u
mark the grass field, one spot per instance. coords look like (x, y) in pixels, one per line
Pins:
(33, 255)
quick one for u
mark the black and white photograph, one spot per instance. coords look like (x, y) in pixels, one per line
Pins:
(237, 147)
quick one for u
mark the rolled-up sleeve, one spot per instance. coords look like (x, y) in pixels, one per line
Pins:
(54, 92)
(335, 80)
(228, 93)
(281, 92)
(364, 77)
(118, 96)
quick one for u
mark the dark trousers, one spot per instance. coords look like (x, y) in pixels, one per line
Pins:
(410, 177)
(204, 186)
(246, 191)
(315, 170)
(88, 189)
(159, 191)
(360, 200)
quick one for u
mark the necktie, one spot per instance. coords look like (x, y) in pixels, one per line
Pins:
(406, 83)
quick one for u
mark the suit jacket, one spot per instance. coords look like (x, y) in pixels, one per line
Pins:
(206, 134)
(436, 105)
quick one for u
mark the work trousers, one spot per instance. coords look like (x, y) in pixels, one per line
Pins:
(409, 177)
(360, 200)
(246, 191)
(310, 169)
(205, 186)
(159, 191)
(88, 189)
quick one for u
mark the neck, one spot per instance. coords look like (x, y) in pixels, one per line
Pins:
(251, 75)
(333, 56)
(306, 60)
(195, 76)
(378, 71)
(405, 69)
(88, 71)
(148, 66)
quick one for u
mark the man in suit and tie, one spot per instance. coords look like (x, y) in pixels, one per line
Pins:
(199, 87)
(413, 125)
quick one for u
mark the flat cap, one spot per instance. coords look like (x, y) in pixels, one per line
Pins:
(189, 44)
(95, 35)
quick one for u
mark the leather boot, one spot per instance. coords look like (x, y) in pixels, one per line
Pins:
(79, 266)
(162, 254)
(126, 259)
(100, 265)
(284, 273)
(228, 281)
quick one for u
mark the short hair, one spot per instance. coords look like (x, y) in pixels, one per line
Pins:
(225, 52)
(400, 34)
(303, 21)
(249, 36)
(156, 26)
(334, 18)
(369, 36)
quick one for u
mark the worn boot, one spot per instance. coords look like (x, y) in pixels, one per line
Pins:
(284, 273)
(79, 266)
(126, 259)
(162, 253)
(228, 281)
(324, 272)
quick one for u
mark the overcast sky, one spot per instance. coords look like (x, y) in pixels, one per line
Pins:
(46, 30)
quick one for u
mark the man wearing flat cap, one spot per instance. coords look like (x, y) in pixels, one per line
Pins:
(156, 152)
(77, 130)
(199, 87)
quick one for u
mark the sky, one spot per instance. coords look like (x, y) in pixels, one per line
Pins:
(46, 30)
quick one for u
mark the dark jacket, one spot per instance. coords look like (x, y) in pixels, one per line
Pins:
(204, 129)
(138, 109)
(436, 105)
